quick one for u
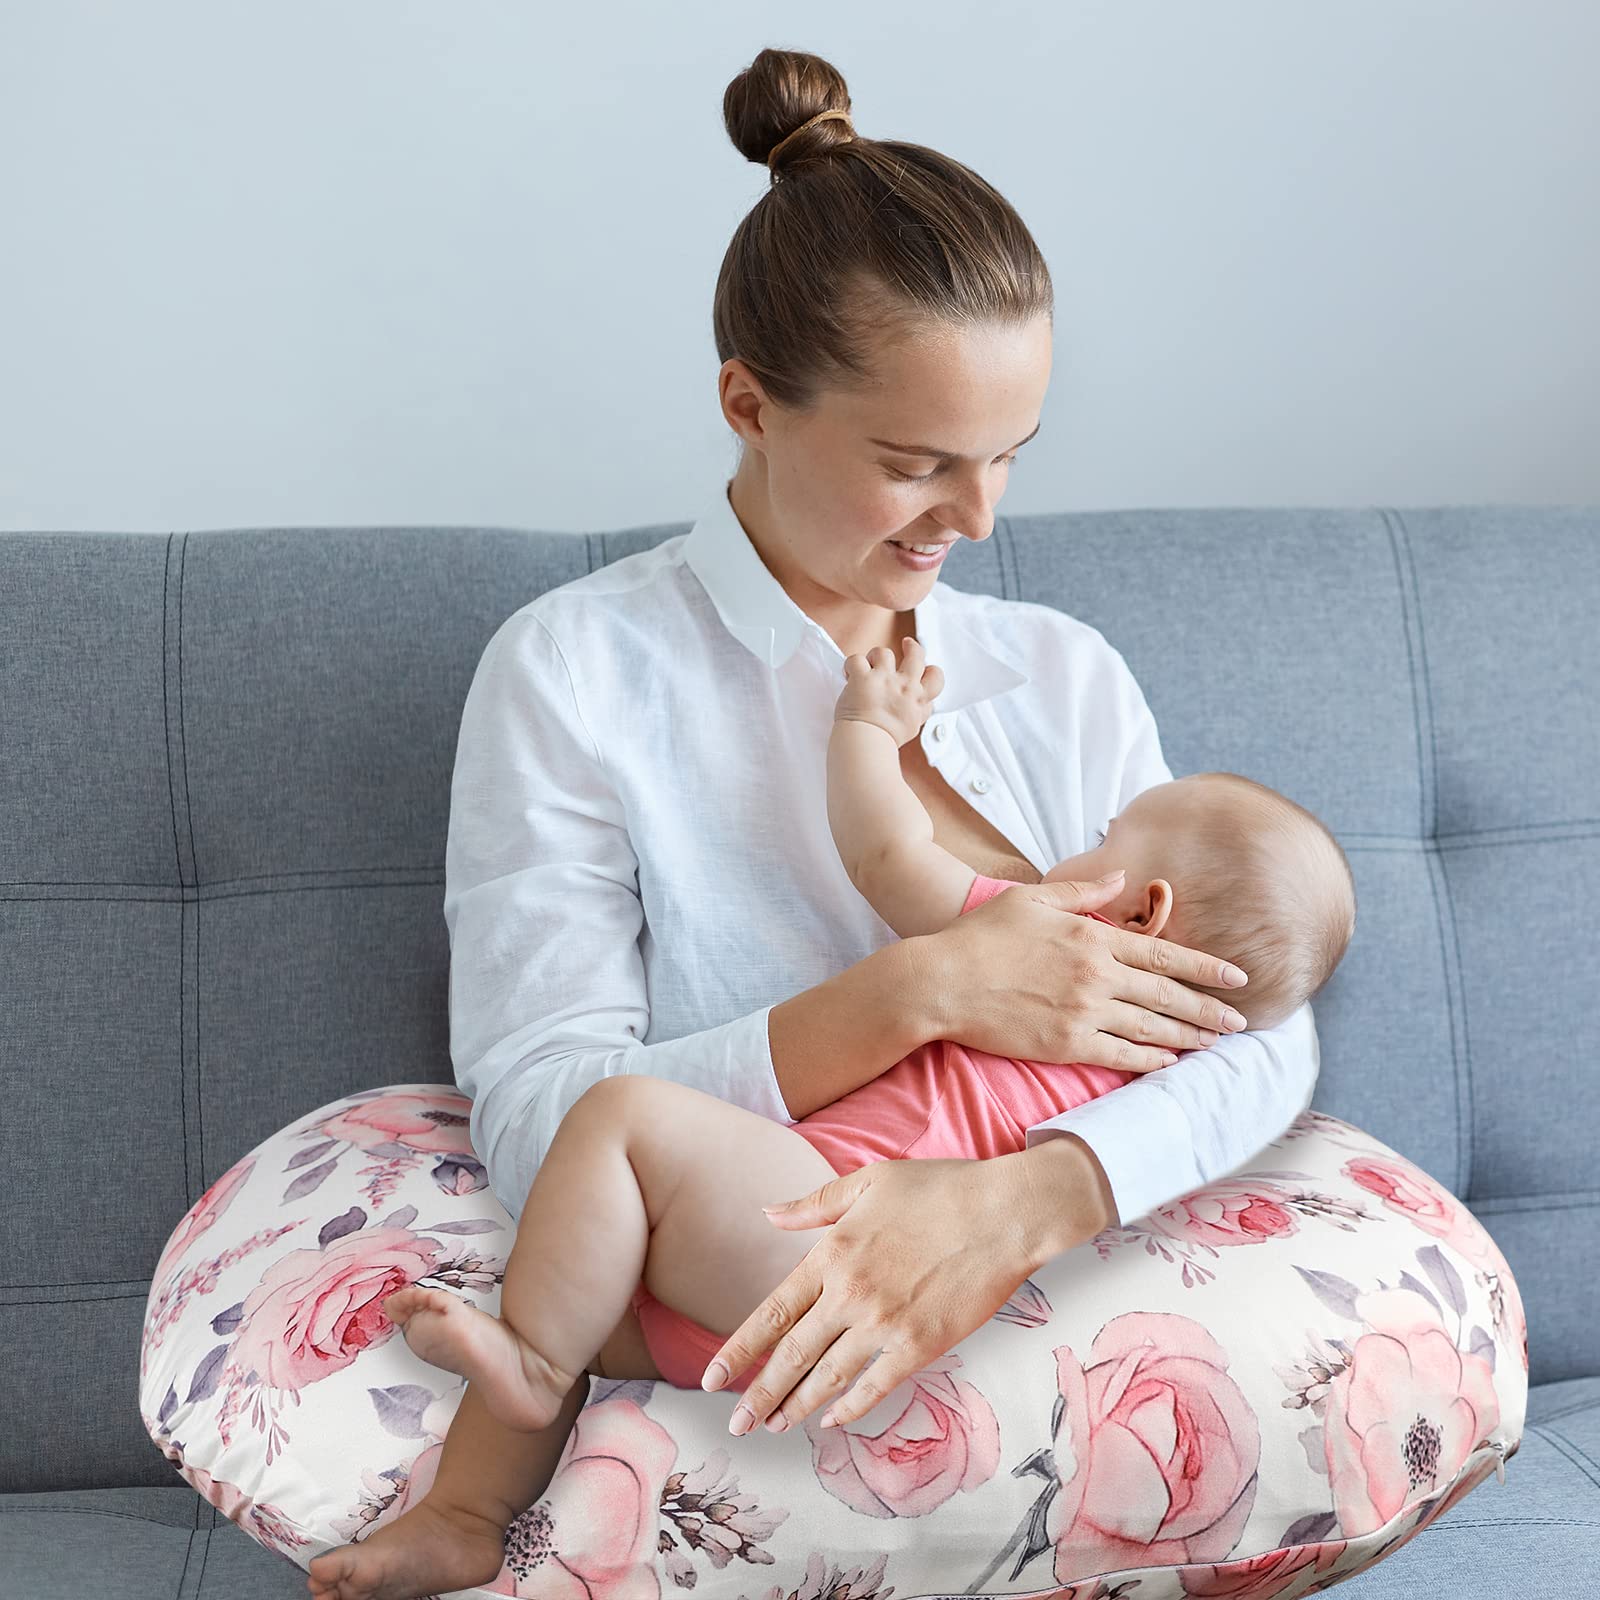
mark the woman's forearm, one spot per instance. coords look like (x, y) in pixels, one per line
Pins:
(845, 1031)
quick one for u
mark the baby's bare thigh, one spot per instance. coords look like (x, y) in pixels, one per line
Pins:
(713, 1254)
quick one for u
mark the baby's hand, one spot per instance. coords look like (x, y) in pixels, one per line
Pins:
(895, 698)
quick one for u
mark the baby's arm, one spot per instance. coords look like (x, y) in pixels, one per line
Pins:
(882, 831)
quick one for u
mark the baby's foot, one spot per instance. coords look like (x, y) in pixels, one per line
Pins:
(427, 1549)
(521, 1388)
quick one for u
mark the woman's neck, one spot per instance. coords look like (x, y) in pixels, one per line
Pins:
(856, 629)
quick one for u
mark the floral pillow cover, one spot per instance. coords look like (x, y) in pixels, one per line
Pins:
(1254, 1392)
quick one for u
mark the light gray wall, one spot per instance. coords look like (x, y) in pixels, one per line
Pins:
(351, 262)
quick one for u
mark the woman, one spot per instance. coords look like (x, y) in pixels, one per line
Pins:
(640, 874)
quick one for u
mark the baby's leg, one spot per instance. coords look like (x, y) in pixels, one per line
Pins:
(644, 1179)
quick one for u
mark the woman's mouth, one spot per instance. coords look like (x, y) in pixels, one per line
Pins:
(919, 557)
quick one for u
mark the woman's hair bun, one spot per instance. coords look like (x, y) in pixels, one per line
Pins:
(776, 94)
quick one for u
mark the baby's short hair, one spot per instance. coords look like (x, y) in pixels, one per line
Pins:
(1266, 886)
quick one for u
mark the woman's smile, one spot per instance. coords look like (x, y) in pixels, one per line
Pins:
(918, 559)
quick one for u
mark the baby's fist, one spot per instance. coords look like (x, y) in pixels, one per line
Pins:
(895, 696)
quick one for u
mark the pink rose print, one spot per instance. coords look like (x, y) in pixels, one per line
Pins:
(1431, 1510)
(1405, 1413)
(594, 1535)
(1156, 1450)
(204, 1214)
(1432, 1207)
(315, 1311)
(432, 1123)
(1407, 1190)
(935, 1436)
(1254, 1209)
(1229, 1214)
(1261, 1577)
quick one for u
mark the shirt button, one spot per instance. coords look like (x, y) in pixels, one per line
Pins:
(938, 730)
(980, 785)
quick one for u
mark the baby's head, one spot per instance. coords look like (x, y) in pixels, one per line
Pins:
(1220, 863)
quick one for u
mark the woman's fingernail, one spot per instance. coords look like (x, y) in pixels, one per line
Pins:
(742, 1418)
(1234, 975)
(1111, 876)
(714, 1375)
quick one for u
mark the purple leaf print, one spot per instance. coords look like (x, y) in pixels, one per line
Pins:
(228, 1321)
(1312, 1529)
(168, 1405)
(1482, 1345)
(351, 1221)
(1444, 1277)
(477, 1225)
(1028, 1307)
(307, 1182)
(635, 1389)
(1416, 1287)
(401, 1218)
(400, 1408)
(310, 1153)
(204, 1381)
(1336, 1293)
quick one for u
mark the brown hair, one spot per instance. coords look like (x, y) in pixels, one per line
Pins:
(855, 240)
(1283, 900)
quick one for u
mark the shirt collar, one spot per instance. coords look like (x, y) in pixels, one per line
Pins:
(756, 609)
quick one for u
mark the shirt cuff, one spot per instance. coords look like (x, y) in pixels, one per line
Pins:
(758, 1048)
(1144, 1143)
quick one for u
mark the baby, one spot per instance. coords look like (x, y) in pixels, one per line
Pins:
(648, 1199)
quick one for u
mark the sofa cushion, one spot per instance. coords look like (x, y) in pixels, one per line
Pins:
(1274, 1381)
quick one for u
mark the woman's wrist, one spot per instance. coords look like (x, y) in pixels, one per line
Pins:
(1064, 1197)
(933, 987)
(847, 1030)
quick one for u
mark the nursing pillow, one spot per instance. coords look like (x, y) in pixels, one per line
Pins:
(1255, 1391)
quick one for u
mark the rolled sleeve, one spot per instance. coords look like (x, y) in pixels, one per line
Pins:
(1168, 1132)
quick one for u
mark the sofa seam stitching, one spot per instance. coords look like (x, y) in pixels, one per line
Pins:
(177, 855)
(332, 878)
(1428, 799)
(194, 869)
(1563, 1411)
(1580, 1458)
(205, 1557)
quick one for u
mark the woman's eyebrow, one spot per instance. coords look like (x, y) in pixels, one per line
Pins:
(940, 455)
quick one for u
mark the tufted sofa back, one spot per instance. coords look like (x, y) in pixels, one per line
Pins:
(225, 786)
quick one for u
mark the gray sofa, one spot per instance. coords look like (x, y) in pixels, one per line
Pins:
(223, 799)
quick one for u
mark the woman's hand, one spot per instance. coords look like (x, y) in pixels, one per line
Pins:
(1018, 976)
(897, 698)
(920, 1253)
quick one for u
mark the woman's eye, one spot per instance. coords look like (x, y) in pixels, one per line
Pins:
(922, 477)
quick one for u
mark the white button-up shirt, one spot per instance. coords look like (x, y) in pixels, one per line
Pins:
(639, 864)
